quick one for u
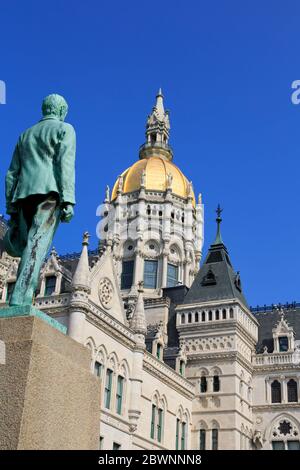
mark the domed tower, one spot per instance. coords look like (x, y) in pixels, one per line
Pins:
(152, 220)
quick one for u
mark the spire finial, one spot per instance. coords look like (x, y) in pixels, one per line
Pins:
(160, 93)
(85, 238)
(218, 240)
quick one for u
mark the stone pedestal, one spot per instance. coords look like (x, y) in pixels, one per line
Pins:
(49, 399)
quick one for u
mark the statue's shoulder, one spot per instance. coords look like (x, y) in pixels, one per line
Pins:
(66, 128)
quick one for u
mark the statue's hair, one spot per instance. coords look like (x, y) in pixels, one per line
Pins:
(55, 104)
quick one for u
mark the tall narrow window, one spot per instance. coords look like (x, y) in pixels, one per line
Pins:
(152, 433)
(216, 383)
(107, 390)
(101, 440)
(231, 313)
(224, 314)
(217, 315)
(203, 316)
(50, 284)
(158, 351)
(177, 433)
(127, 274)
(119, 394)
(150, 274)
(210, 315)
(98, 369)
(9, 290)
(214, 439)
(183, 436)
(202, 439)
(283, 344)
(159, 425)
(276, 391)
(181, 367)
(172, 275)
(292, 390)
(203, 384)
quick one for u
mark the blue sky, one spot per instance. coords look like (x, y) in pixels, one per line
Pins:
(226, 69)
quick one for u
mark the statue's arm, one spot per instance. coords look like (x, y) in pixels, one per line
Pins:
(66, 166)
(11, 180)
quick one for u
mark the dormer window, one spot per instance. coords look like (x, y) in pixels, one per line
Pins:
(209, 279)
(50, 285)
(9, 290)
(283, 343)
(159, 349)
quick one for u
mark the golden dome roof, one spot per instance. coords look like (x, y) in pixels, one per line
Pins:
(156, 170)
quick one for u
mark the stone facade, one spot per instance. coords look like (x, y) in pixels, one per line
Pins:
(182, 360)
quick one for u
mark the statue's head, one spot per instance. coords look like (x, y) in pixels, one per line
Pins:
(55, 105)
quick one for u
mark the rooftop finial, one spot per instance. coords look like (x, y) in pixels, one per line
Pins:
(218, 240)
(157, 130)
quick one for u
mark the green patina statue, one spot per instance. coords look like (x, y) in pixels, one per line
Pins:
(40, 192)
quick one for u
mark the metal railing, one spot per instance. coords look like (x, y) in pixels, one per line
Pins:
(273, 307)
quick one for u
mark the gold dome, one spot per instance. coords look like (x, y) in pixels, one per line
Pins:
(156, 170)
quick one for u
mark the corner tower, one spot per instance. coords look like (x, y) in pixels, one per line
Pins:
(155, 225)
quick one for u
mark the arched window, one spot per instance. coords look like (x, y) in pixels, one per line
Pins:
(172, 275)
(292, 390)
(127, 274)
(216, 383)
(157, 419)
(108, 388)
(181, 429)
(150, 274)
(203, 316)
(189, 318)
(196, 317)
(276, 391)
(224, 314)
(231, 313)
(182, 367)
(217, 315)
(203, 384)
(182, 318)
(202, 443)
(214, 439)
(210, 315)
(98, 367)
(159, 349)
(119, 394)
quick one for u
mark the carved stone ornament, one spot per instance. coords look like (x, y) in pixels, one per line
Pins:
(105, 292)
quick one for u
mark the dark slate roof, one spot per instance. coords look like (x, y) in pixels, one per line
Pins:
(176, 296)
(269, 320)
(216, 279)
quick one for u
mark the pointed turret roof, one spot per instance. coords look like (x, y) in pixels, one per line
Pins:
(216, 280)
(138, 321)
(81, 278)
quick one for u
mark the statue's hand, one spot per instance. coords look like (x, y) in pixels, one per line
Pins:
(67, 213)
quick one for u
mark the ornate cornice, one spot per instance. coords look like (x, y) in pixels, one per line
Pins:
(168, 376)
(110, 326)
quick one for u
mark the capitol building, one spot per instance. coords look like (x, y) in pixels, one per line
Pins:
(183, 361)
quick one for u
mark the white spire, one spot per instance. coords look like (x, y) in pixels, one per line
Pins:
(138, 320)
(81, 278)
(158, 124)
